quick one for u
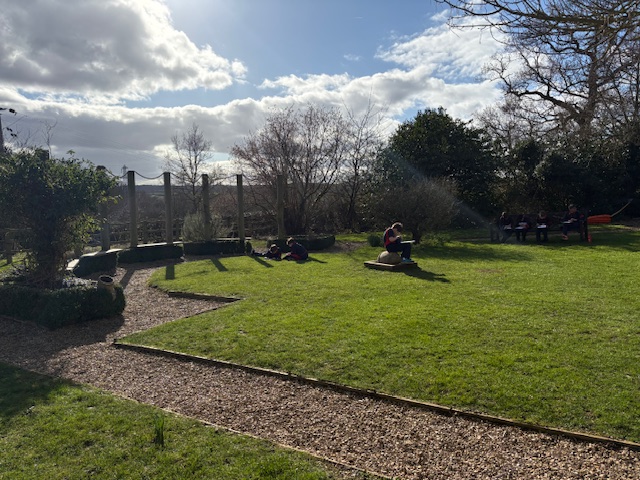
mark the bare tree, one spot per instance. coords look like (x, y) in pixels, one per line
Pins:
(365, 143)
(571, 51)
(308, 147)
(188, 160)
(47, 133)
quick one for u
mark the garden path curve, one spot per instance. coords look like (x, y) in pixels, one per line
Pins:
(378, 436)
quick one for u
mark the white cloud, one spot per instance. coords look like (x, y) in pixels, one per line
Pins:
(104, 50)
(352, 58)
(453, 55)
(295, 85)
(60, 65)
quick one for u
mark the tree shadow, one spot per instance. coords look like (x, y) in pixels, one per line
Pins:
(28, 345)
(262, 261)
(170, 272)
(22, 390)
(471, 252)
(124, 281)
(312, 259)
(216, 263)
(426, 275)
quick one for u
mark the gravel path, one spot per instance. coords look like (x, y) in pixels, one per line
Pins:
(378, 436)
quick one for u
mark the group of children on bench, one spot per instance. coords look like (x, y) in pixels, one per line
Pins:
(570, 221)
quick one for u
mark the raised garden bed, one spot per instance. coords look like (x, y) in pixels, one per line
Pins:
(81, 302)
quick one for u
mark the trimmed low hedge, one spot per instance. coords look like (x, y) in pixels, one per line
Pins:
(57, 308)
(310, 243)
(215, 247)
(149, 253)
(99, 262)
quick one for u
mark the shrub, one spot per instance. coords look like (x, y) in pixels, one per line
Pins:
(193, 228)
(56, 201)
(374, 240)
(96, 262)
(64, 306)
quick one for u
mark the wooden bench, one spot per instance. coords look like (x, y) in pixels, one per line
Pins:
(389, 266)
(555, 226)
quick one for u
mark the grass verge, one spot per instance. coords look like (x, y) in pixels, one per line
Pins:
(547, 334)
(55, 429)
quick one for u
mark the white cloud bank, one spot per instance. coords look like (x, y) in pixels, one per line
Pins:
(77, 62)
(104, 50)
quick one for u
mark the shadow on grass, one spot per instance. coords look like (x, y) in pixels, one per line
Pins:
(469, 252)
(219, 265)
(425, 275)
(170, 272)
(312, 259)
(21, 390)
(262, 261)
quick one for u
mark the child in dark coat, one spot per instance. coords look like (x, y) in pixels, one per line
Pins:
(543, 222)
(298, 252)
(393, 242)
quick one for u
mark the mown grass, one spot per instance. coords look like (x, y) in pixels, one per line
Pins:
(6, 266)
(51, 429)
(540, 333)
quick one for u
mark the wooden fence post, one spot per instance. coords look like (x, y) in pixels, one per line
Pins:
(105, 228)
(205, 208)
(168, 205)
(8, 247)
(240, 210)
(280, 206)
(133, 209)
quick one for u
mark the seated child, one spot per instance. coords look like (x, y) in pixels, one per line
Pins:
(298, 252)
(393, 242)
(274, 253)
(571, 221)
(523, 224)
(543, 222)
(505, 223)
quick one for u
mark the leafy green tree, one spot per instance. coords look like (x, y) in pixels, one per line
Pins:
(434, 145)
(57, 201)
(395, 193)
(519, 187)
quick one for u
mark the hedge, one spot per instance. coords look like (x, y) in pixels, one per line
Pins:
(96, 262)
(215, 247)
(57, 308)
(149, 253)
(310, 243)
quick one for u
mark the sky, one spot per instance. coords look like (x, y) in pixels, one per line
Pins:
(114, 80)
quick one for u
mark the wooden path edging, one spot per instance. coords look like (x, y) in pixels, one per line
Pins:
(450, 411)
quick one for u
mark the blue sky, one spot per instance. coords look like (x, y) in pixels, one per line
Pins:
(113, 80)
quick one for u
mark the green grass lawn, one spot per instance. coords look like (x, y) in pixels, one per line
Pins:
(6, 267)
(546, 334)
(51, 429)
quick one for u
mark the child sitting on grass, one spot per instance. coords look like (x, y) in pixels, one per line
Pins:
(274, 253)
(298, 252)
